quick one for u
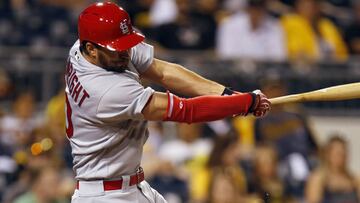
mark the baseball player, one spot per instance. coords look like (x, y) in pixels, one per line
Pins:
(107, 108)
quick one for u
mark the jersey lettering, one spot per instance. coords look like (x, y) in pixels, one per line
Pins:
(74, 85)
(69, 124)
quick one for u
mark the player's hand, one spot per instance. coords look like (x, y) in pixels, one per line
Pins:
(262, 104)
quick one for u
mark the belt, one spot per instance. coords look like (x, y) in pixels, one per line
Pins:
(134, 179)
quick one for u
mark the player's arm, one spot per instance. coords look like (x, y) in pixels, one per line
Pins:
(156, 107)
(178, 79)
(169, 107)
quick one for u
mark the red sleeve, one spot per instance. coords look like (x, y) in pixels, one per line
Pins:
(206, 108)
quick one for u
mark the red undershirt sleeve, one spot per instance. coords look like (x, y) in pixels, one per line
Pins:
(206, 108)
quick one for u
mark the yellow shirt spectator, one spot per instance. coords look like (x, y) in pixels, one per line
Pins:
(304, 42)
(223, 160)
(55, 112)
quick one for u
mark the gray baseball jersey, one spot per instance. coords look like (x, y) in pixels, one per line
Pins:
(105, 125)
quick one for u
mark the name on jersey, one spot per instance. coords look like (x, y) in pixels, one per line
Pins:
(76, 90)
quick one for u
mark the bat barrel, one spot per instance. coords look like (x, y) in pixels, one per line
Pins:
(335, 93)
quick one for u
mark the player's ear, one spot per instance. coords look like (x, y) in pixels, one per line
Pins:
(91, 49)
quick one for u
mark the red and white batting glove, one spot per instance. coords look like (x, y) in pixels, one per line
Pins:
(261, 105)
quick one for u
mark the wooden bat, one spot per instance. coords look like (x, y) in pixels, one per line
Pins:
(334, 93)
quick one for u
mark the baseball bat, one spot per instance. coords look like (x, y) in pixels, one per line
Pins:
(334, 93)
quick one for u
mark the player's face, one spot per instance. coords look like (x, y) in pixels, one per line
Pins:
(113, 60)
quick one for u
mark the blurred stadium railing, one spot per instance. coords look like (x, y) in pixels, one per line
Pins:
(40, 70)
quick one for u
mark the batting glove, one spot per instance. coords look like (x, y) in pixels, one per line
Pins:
(261, 105)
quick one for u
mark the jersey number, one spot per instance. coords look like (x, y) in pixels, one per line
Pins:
(69, 124)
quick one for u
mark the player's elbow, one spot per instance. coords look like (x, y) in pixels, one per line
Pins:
(156, 107)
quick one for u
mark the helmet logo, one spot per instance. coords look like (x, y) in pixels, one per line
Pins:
(124, 27)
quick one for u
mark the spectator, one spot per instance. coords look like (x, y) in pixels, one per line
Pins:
(165, 172)
(17, 188)
(233, 6)
(23, 109)
(55, 125)
(22, 187)
(5, 87)
(311, 36)
(139, 11)
(265, 177)
(221, 179)
(224, 187)
(296, 137)
(289, 132)
(333, 182)
(150, 161)
(43, 189)
(338, 11)
(54, 111)
(188, 153)
(352, 33)
(163, 12)
(41, 153)
(169, 183)
(251, 34)
(189, 145)
(190, 30)
(7, 165)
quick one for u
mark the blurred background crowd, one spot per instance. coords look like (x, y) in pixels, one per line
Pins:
(269, 29)
(280, 46)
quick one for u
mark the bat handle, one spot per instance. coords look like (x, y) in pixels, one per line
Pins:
(287, 99)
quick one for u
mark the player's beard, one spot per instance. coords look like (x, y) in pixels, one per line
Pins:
(117, 66)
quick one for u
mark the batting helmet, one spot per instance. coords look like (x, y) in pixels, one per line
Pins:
(109, 26)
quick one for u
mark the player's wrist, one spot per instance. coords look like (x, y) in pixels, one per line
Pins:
(255, 102)
(228, 91)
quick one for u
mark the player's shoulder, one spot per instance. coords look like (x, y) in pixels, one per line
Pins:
(111, 81)
(124, 91)
(80, 64)
(143, 46)
(125, 80)
(108, 86)
(142, 56)
(74, 48)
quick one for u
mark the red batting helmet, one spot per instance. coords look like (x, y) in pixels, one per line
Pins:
(109, 26)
